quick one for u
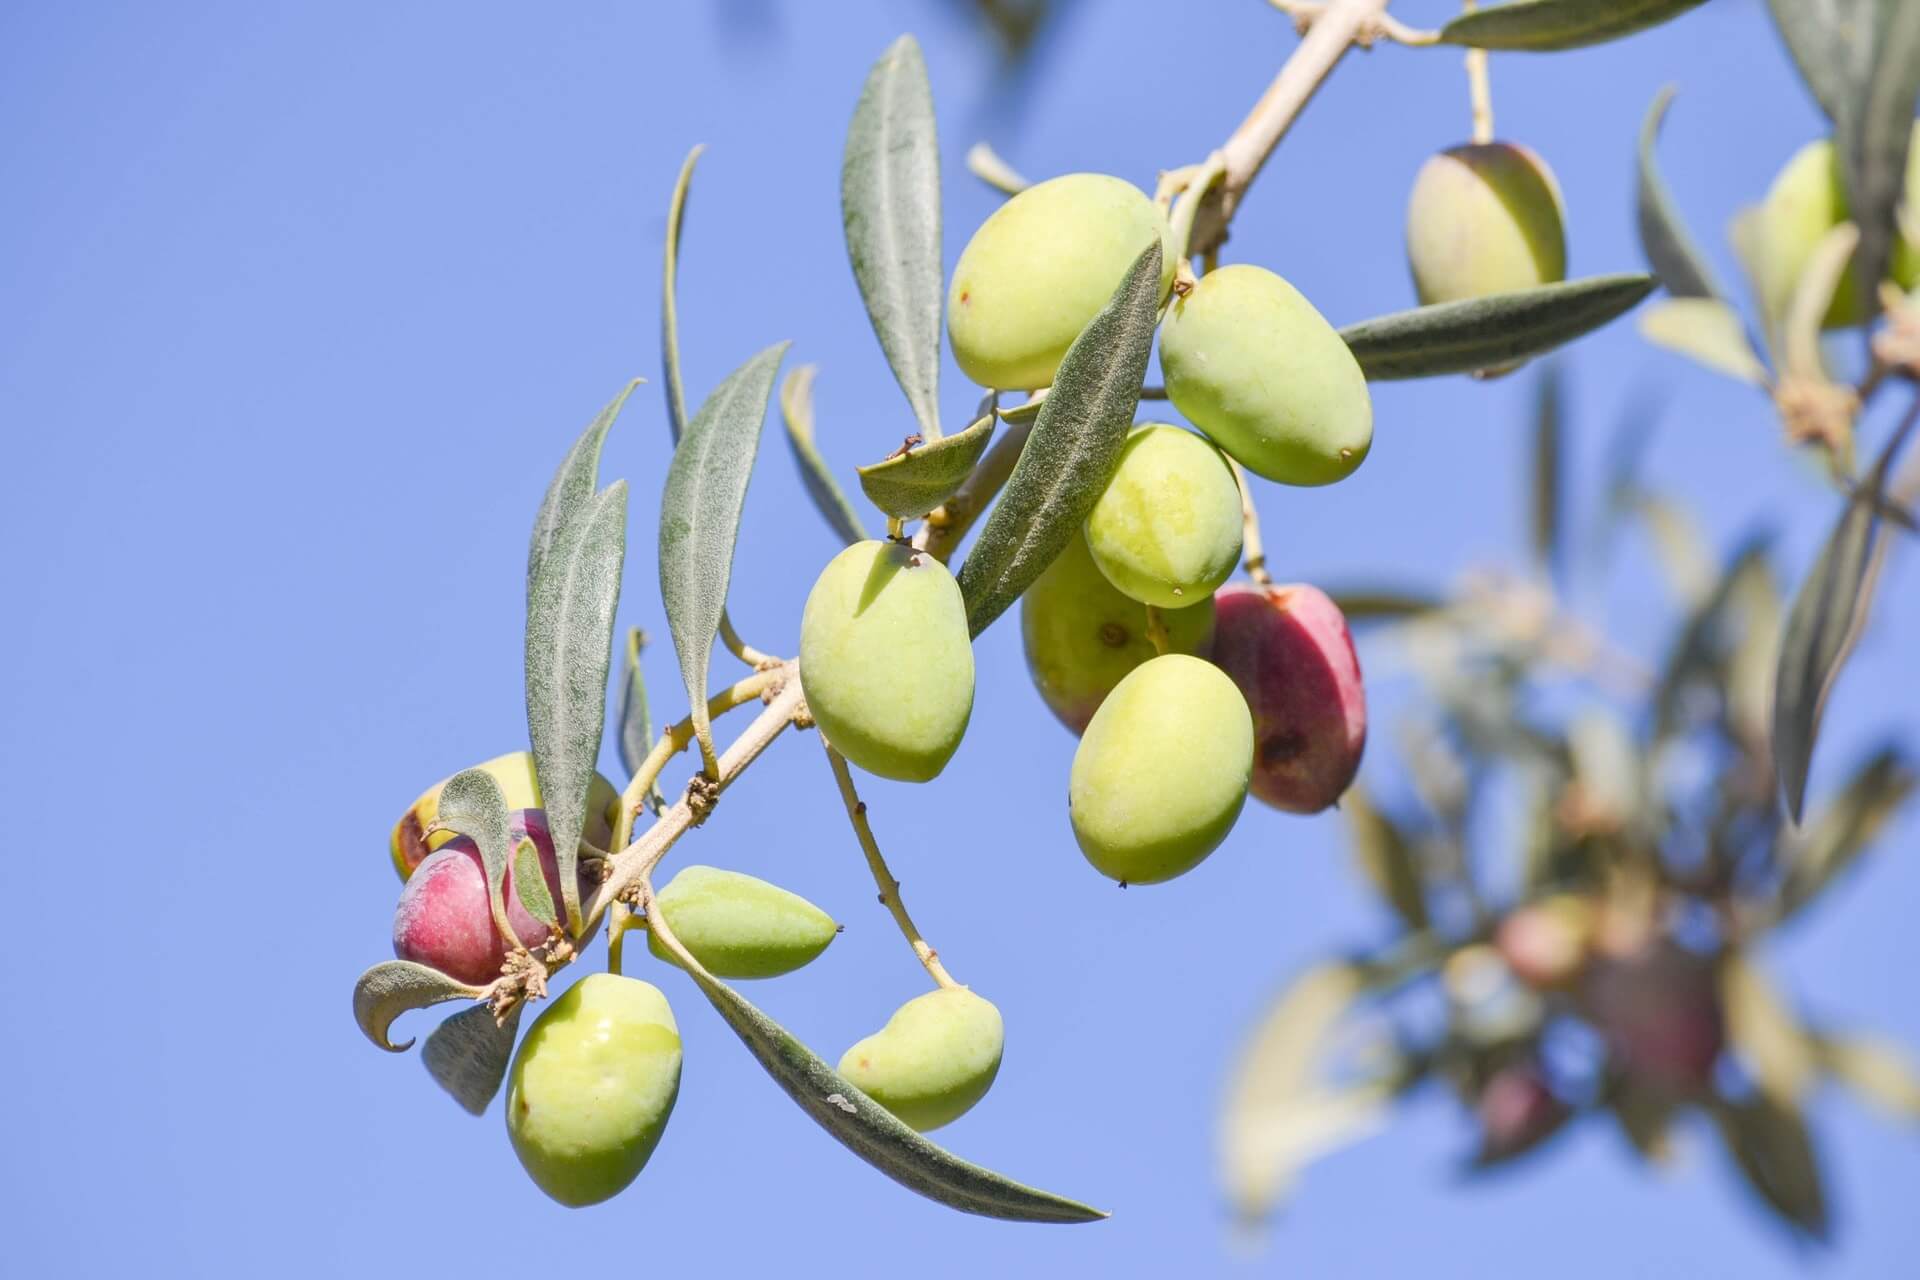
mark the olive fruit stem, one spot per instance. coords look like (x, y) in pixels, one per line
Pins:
(674, 740)
(984, 163)
(948, 523)
(619, 920)
(882, 877)
(1253, 550)
(1157, 629)
(1334, 29)
(741, 649)
(1479, 91)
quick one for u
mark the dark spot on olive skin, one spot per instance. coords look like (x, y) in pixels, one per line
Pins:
(1114, 636)
(1282, 747)
(964, 296)
(413, 840)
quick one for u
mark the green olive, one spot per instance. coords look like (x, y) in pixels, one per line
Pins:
(740, 926)
(935, 1058)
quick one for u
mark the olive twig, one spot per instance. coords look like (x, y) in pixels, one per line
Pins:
(675, 739)
(889, 887)
(1252, 550)
(948, 523)
(1305, 12)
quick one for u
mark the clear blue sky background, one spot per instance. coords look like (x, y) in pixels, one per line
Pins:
(302, 305)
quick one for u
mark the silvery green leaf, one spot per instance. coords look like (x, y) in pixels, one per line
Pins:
(1074, 448)
(471, 803)
(573, 484)
(636, 718)
(1669, 246)
(796, 411)
(1834, 838)
(1543, 26)
(1707, 331)
(1548, 429)
(921, 477)
(890, 204)
(531, 883)
(700, 518)
(1489, 332)
(569, 649)
(467, 1055)
(868, 1129)
(388, 990)
(669, 306)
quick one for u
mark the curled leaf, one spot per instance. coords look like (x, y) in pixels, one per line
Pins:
(796, 411)
(1543, 26)
(1670, 248)
(915, 481)
(669, 305)
(467, 1055)
(386, 991)
(1073, 450)
(1486, 333)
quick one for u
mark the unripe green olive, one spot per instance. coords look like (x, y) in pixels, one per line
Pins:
(1039, 268)
(1251, 363)
(1484, 218)
(1166, 531)
(740, 926)
(935, 1058)
(592, 1087)
(410, 844)
(1806, 201)
(1161, 773)
(1082, 636)
(886, 661)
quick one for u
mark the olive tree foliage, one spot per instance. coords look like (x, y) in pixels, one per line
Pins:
(512, 867)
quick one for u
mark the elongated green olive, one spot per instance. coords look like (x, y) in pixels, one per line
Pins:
(740, 926)
(1167, 529)
(935, 1058)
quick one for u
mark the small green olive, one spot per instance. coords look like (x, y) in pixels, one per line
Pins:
(1167, 529)
(740, 926)
(935, 1058)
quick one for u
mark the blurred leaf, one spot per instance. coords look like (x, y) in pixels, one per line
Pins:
(866, 1128)
(796, 410)
(1279, 1116)
(1543, 26)
(915, 481)
(636, 720)
(467, 1055)
(1074, 448)
(388, 990)
(1748, 235)
(1645, 1116)
(1385, 857)
(1756, 652)
(1880, 1072)
(984, 163)
(1821, 630)
(890, 204)
(1385, 604)
(1026, 410)
(1485, 333)
(1812, 298)
(700, 519)
(1770, 1144)
(1705, 641)
(1706, 331)
(1831, 43)
(1670, 248)
(1682, 550)
(1548, 418)
(569, 649)
(1607, 764)
(472, 804)
(1770, 1040)
(531, 883)
(669, 307)
(1811, 859)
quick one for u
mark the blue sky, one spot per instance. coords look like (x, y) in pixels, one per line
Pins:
(303, 305)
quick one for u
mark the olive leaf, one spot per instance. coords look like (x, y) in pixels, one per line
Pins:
(669, 306)
(866, 1128)
(1385, 856)
(569, 649)
(1073, 451)
(1879, 1072)
(530, 881)
(1485, 333)
(1543, 26)
(1781, 1053)
(636, 718)
(1670, 248)
(1706, 636)
(467, 1055)
(1770, 1144)
(1384, 604)
(1821, 629)
(890, 204)
(700, 519)
(1279, 1115)
(1706, 331)
(388, 990)
(1812, 298)
(796, 412)
(1645, 1116)
(472, 804)
(573, 484)
(1548, 429)
(1813, 858)
(921, 477)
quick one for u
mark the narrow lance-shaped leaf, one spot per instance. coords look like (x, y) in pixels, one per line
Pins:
(1548, 416)
(700, 519)
(472, 804)
(890, 204)
(388, 990)
(1384, 604)
(1544, 26)
(1770, 1144)
(669, 294)
(1670, 248)
(1831, 43)
(1875, 136)
(866, 1128)
(1385, 858)
(1074, 448)
(573, 484)
(796, 411)
(636, 716)
(467, 1055)
(531, 883)
(1839, 833)
(569, 650)
(1485, 333)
